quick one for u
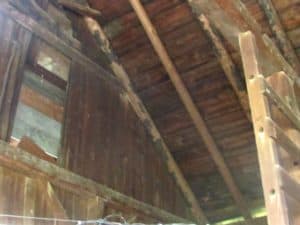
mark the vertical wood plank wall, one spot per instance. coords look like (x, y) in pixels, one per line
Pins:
(103, 140)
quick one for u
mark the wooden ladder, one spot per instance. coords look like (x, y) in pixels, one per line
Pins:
(276, 124)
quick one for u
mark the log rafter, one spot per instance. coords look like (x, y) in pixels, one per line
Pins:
(31, 166)
(146, 119)
(98, 32)
(230, 69)
(190, 106)
(282, 39)
(234, 18)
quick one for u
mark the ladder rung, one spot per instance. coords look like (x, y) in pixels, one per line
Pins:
(269, 92)
(276, 133)
(288, 184)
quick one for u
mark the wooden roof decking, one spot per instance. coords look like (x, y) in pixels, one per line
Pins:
(194, 57)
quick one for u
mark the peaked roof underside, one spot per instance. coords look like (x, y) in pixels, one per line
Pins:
(196, 61)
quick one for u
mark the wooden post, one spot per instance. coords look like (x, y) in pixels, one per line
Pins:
(277, 184)
(29, 200)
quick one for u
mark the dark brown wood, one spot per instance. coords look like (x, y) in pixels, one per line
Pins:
(61, 45)
(191, 108)
(47, 75)
(281, 37)
(25, 163)
(30, 146)
(234, 20)
(228, 65)
(145, 117)
(79, 8)
(16, 47)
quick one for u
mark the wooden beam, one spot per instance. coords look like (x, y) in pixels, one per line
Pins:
(47, 75)
(62, 45)
(266, 147)
(52, 200)
(232, 18)
(231, 71)
(42, 104)
(191, 108)
(23, 162)
(81, 9)
(282, 39)
(146, 119)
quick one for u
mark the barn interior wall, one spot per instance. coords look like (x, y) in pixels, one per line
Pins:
(102, 140)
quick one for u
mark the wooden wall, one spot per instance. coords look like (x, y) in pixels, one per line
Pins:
(105, 141)
(102, 139)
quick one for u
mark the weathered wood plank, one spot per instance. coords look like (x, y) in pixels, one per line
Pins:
(228, 66)
(25, 163)
(274, 97)
(281, 37)
(266, 146)
(52, 200)
(55, 41)
(144, 116)
(191, 108)
(236, 19)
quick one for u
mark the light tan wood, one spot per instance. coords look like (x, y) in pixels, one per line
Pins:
(268, 149)
(27, 164)
(95, 208)
(29, 199)
(146, 119)
(271, 94)
(52, 200)
(191, 108)
(41, 103)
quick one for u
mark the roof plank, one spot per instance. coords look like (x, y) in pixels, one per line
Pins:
(191, 107)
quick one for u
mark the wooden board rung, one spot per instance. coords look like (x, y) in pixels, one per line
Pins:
(276, 133)
(277, 100)
(288, 184)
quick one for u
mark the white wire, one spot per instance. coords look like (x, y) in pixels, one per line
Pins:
(80, 222)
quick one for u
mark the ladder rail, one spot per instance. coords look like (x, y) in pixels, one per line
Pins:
(279, 187)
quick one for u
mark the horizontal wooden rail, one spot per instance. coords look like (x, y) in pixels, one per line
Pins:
(288, 184)
(276, 133)
(29, 165)
(272, 95)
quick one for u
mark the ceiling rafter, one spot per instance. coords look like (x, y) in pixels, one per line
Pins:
(282, 39)
(233, 19)
(146, 119)
(190, 106)
(80, 8)
(141, 111)
(230, 69)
